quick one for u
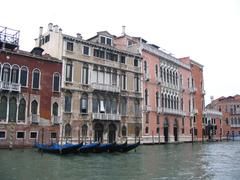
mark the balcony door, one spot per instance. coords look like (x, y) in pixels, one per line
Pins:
(112, 133)
(98, 132)
(165, 130)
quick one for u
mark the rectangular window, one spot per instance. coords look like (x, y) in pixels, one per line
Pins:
(124, 81)
(111, 56)
(123, 59)
(53, 135)
(102, 108)
(137, 83)
(68, 103)
(109, 41)
(69, 72)
(56, 84)
(86, 50)
(23, 79)
(99, 53)
(20, 135)
(85, 75)
(102, 40)
(69, 46)
(136, 62)
(36, 80)
(33, 135)
(114, 78)
(47, 38)
(2, 134)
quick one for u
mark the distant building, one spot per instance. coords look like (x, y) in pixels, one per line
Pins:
(29, 94)
(101, 86)
(230, 109)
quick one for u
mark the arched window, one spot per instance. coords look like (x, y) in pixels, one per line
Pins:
(169, 104)
(95, 104)
(114, 106)
(34, 111)
(175, 102)
(34, 107)
(157, 99)
(171, 101)
(68, 102)
(36, 79)
(166, 101)
(137, 108)
(146, 130)
(15, 74)
(137, 131)
(177, 107)
(56, 82)
(146, 97)
(108, 105)
(170, 76)
(84, 130)
(3, 108)
(85, 74)
(167, 75)
(124, 131)
(12, 109)
(94, 74)
(24, 76)
(6, 73)
(162, 99)
(21, 110)
(164, 74)
(84, 104)
(123, 106)
(55, 109)
(68, 130)
(156, 70)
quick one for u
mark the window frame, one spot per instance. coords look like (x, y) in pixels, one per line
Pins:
(59, 82)
(24, 133)
(5, 133)
(68, 47)
(33, 132)
(39, 80)
(83, 52)
(27, 76)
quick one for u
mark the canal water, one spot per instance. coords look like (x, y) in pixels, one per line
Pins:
(174, 161)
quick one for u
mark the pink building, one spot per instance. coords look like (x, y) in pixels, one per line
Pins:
(168, 97)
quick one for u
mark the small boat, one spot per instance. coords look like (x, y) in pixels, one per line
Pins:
(88, 147)
(128, 147)
(104, 147)
(59, 149)
(117, 147)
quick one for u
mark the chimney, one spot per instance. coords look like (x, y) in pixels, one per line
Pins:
(55, 28)
(123, 30)
(79, 36)
(40, 31)
(50, 25)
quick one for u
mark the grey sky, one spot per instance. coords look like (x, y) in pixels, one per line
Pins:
(206, 30)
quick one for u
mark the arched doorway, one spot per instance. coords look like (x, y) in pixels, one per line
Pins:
(112, 133)
(98, 132)
(68, 130)
(175, 130)
(165, 130)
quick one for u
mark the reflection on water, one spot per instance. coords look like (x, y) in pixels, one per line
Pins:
(181, 161)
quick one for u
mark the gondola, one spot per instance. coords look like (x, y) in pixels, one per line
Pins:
(104, 147)
(117, 147)
(59, 149)
(128, 147)
(87, 148)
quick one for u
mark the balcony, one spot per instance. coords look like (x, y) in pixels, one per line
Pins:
(10, 86)
(172, 111)
(3, 121)
(147, 108)
(235, 125)
(55, 119)
(106, 117)
(35, 119)
(106, 87)
(193, 112)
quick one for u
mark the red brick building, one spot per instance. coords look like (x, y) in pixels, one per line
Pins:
(29, 94)
(230, 109)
